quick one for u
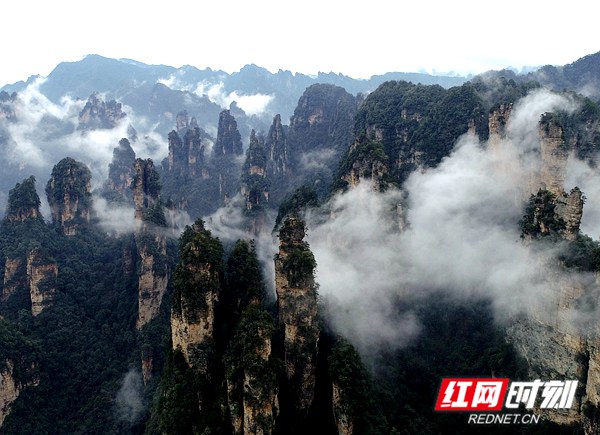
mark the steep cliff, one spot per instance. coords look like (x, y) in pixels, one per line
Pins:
(150, 240)
(297, 308)
(188, 149)
(120, 170)
(365, 161)
(277, 149)
(42, 273)
(251, 377)
(98, 114)
(69, 196)
(197, 286)
(497, 125)
(229, 141)
(254, 184)
(14, 276)
(146, 188)
(554, 154)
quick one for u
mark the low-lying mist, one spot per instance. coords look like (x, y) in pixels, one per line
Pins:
(462, 238)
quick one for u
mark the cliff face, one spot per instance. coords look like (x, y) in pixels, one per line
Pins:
(229, 140)
(150, 240)
(251, 383)
(255, 184)
(98, 114)
(153, 274)
(198, 285)
(554, 155)
(276, 147)
(187, 149)
(145, 186)
(13, 279)
(41, 275)
(69, 196)
(497, 124)
(120, 170)
(10, 388)
(297, 307)
(343, 421)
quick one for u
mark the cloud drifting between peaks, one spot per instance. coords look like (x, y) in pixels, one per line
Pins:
(45, 132)
(462, 238)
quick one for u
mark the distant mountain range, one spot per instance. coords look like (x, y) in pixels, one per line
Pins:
(132, 83)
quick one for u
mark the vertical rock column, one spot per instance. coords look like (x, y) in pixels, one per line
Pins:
(69, 195)
(297, 307)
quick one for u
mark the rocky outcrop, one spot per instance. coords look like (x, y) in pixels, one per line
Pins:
(13, 277)
(497, 124)
(197, 290)
(120, 170)
(554, 154)
(255, 184)
(229, 140)
(42, 273)
(344, 423)
(276, 147)
(153, 274)
(150, 240)
(23, 202)
(251, 381)
(69, 196)
(569, 208)
(187, 157)
(11, 388)
(365, 161)
(145, 186)
(297, 307)
(98, 114)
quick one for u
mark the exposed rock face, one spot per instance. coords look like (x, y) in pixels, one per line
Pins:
(98, 114)
(344, 423)
(570, 209)
(146, 186)
(23, 202)
(497, 123)
(368, 163)
(554, 155)
(41, 276)
(9, 390)
(555, 347)
(187, 156)
(69, 196)
(13, 279)
(196, 296)
(229, 140)
(297, 307)
(255, 184)
(150, 240)
(120, 170)
(276, 147)
(251, 383)
(154, 276)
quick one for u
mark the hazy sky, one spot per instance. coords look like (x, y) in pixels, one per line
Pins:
(355, 38)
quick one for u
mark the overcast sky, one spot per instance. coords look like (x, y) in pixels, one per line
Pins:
(355, 38)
